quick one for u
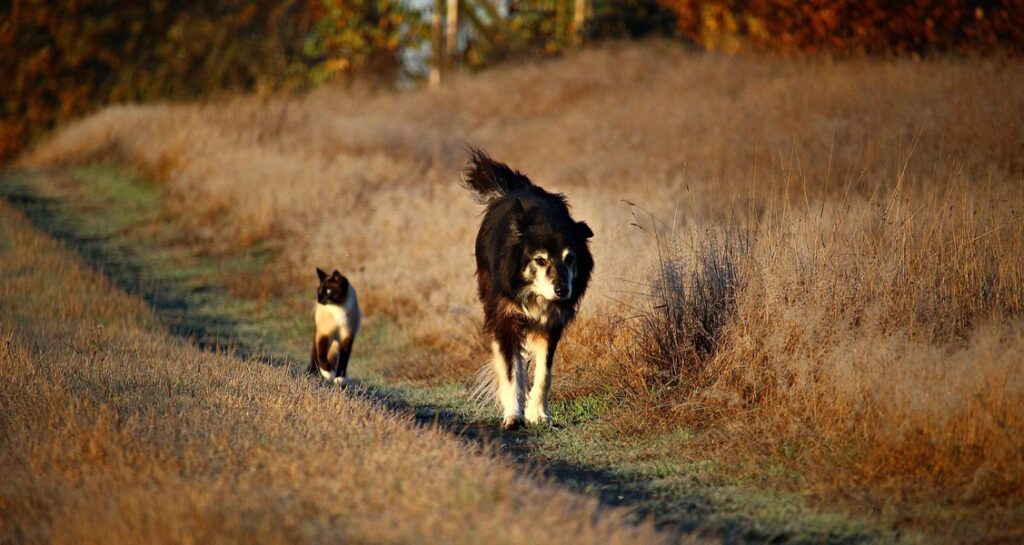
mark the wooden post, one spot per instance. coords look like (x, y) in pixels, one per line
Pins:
(437, 44)
(579, 16)
(452, 43)
(562, 20)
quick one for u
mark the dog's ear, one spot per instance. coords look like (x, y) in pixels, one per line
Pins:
(506, 271)
(584, 229)
(336, 275)
(517, 220)
(320, 274)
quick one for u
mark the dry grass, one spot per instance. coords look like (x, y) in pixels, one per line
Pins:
(875, 340)
(113, 432)
(689, 308)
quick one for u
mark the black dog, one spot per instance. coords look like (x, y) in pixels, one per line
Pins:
(533, 265)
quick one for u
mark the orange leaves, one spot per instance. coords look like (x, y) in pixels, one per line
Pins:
(853, 26)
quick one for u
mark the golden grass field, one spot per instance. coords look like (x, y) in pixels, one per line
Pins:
(112, 431)
(814, 263)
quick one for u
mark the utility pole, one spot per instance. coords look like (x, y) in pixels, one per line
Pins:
(452, 30)
(437, 44)
(579, 16)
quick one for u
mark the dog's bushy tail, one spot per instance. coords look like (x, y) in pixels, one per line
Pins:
(484, 392)
(489, 179)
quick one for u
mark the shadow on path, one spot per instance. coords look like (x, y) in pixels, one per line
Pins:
(181, 303)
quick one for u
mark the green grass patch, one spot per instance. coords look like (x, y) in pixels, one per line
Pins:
(582, 409)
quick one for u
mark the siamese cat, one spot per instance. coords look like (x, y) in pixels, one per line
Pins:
(337, 318)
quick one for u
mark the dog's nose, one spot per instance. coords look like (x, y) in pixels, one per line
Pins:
(562, 291)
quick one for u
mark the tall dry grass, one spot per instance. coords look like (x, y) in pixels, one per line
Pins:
(885, 342)
(112, 431)
(872, 336)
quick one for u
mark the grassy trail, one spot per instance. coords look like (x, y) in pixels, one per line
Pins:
(116, 224)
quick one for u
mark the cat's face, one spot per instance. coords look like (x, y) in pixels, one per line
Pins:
(333, 288)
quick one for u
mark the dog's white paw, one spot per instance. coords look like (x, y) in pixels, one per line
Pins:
(512, 422)
(537, 415)
(340, 381)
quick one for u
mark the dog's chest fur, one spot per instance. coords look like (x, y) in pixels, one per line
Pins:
(542, 312)
(338, 322)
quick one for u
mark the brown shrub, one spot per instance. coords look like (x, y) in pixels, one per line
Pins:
(690, 307)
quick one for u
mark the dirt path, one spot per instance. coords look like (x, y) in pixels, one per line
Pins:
(182, 307)
(116, 432)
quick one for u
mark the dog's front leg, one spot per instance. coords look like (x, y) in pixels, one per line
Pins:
(508, 366)
(541, 347)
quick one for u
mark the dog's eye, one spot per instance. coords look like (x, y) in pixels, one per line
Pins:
(540, 261)
(569, 259)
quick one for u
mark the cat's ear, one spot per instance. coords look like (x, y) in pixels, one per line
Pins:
(336, 275)
(321, 274)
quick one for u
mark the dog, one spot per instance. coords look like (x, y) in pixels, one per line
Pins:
(337, 317)
(533, 265)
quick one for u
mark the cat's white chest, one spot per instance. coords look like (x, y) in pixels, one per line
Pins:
(338, 321)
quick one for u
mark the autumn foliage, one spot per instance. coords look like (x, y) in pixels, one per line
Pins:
(72, 57)
(854, 26)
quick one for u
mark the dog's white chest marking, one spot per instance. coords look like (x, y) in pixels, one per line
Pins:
(540, 310)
